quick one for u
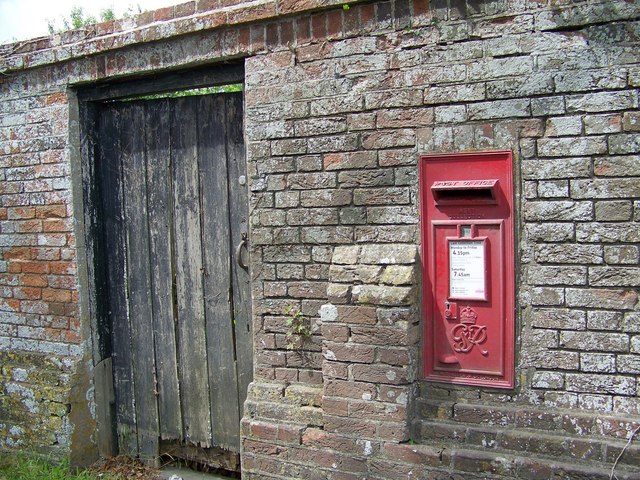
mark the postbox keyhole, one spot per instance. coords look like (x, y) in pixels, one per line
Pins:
(450, 311)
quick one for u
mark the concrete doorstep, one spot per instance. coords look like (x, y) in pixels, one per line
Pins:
(184, 473)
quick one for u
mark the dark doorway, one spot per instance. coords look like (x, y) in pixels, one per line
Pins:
(168, 215)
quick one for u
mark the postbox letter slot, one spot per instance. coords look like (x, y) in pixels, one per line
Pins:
(469, 192)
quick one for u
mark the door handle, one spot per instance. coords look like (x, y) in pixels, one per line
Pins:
(243, 243)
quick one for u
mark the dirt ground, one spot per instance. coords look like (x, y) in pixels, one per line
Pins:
(126, 468)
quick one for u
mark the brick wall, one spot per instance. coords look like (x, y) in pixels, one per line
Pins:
(339, 104)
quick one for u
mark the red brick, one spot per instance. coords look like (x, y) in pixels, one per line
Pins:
(303, 29)
(334, 23)
(349, 352)
(34, 280)
(335, 333)
(420, 7)
(264, 448)
(165, 13)
(56, 98)
(319, 26)
(272, 38)
(377, 410)
(244, 38)
(257, 37)
(144, 18)
(335, 370)
(286, 32)
(207, 5)
(349, 426)
(290, 434)
(185, 9)
(44, 253)
(51, 211)
(311, 377)
(348, 389)
(393, 356)
(367, 15)
(357, 315)
(19, 253)
(335, 406)
(27, 293)
(287, 374)
(379, 374)
(295, 6)
(14, 267)
(417, 454)
(34, 267)
(266, 431)
(252, 13)
(56, 295)
(21, 213)
(392, 432)
(28, 226)
(57, 308)
(316, 438)
(59, 268)
(35, 306)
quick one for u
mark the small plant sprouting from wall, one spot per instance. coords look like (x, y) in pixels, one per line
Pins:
(298, 328)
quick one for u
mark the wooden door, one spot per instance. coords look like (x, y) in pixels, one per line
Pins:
(173, 214)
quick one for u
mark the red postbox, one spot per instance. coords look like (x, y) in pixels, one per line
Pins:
(468, 268)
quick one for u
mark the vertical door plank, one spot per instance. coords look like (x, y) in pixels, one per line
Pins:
(217, 260)
(239, 213)
(160, 210)
(139, 282)
(189, 272)
(110, 155)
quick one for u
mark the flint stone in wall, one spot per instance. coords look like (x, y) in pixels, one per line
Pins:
(548, 380)
(568, 253)
(355, 273)
(614, 276)
(399, 254)
(382, 295)
(564, 210)
(598, 362)
(603, 320)
(605, 188)
(601, 298)
(556, 169)
(607, 123)
(616, 166)
(614, 210)
(398, 275)
(615, 384)
(602, 101)
(346, 255)
(627, 143)
(595, 341)
(549, 232)
(558, 318)
(607, 232)
(556, 275)
(572, 146)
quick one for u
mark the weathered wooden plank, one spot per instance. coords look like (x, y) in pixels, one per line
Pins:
(238, 200)
(160, 210)
(217, 261)
(192, 78)
(139, 281)
(189, 272)
(105, 399)
(111, 120)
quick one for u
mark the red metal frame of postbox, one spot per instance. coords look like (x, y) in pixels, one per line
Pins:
(478, 190)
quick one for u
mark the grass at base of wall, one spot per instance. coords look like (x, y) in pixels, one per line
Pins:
(24, 466)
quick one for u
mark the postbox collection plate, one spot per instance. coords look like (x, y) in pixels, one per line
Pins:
(468, 268)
